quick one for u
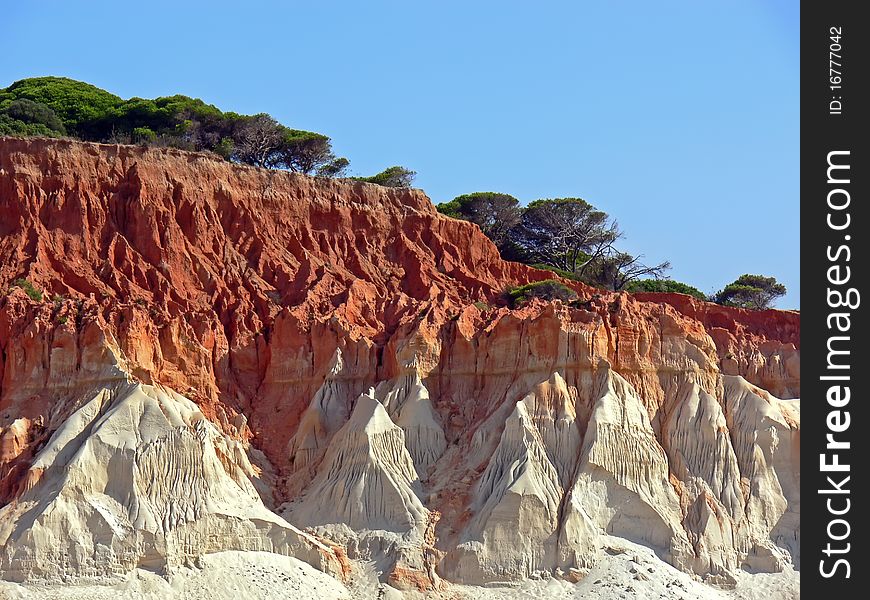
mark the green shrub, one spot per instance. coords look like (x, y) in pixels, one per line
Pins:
(33, 113)
(665, 285)
(391, 177)
(335, 168)
(143, 135)
(57, 106)
(755, 292)
(29, 289)
(82, 108)
(482, 306)
(495, 213)
(20, 129)
(224, 148)
(549, 289)
(557, 271)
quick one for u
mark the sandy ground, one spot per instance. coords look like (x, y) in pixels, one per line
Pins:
(634, 572)
(628, 572)
(223, 576)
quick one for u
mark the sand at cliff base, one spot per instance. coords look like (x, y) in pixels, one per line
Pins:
(635, 574)
(223, 576)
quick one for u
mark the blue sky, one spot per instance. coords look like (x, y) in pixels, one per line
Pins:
(679, 118)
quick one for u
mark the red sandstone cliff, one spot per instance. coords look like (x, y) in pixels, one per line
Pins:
(275, 302)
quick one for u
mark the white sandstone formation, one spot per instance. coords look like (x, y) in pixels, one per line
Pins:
(765, 433)
(407, 401)
(328, 411)
(622, 485)
(518, 498)
(367, 479)
(137, 477)
(366, 494)
(715, 491)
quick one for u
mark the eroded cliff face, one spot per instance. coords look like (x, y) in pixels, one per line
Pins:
(228, 358)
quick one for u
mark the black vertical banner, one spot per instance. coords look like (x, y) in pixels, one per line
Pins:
(835, 235)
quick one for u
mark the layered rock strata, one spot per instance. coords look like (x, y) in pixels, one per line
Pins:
(226, 358)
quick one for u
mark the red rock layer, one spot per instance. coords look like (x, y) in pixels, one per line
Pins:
(235, 286)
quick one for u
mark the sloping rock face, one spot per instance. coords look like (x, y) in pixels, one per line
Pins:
(137, 477)
(227, 358)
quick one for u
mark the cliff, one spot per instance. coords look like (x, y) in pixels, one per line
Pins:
(227, 358)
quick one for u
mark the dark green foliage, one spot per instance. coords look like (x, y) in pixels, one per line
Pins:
(566, 233)
(10, 126)
(614, 270)
(180, 108)
(225, 148)
(29, 289)
(305, 151)
(37, 113)
(82, 108)
(56, 106)
(260, 140)
(26, 117)
(399, 177)
(495, 213)
(511, 251)
(257, 140)
(548, 289)
(448, 209)
(143, 135)
(335, 168)
(665, 285)
(568, 236)
(755, 292)
(137, 113)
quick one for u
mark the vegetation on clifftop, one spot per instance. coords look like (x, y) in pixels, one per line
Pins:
(568, 236)
(665, 285)
(549, 289)
(61, 107)
(577, 241)
(755, 292)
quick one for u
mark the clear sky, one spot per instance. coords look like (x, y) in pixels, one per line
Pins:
(679, 118)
